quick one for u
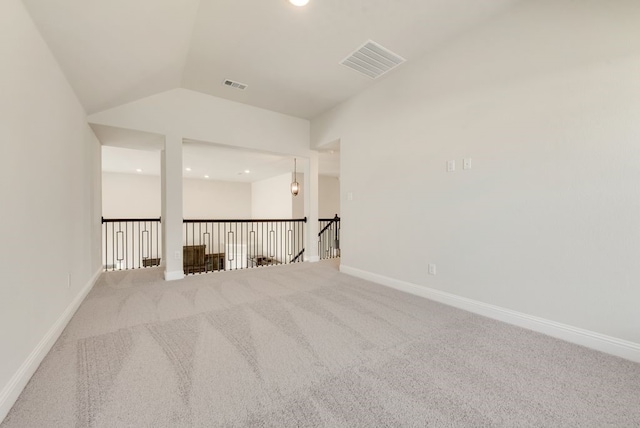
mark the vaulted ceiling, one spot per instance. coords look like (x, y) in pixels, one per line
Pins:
(117, 51)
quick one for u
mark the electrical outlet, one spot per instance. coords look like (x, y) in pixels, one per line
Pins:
(177, 255)
(451, 166)
(432, 269)
(349, 196)
(466, 163)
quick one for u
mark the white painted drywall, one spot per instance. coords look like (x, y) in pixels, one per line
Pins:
(205, 199)
(171, 203)
(136, 195)
(328, 196)
(311, 208)
(297, 202)
(130, 195)
(271, 198)
(545, 99)
(197, 116)
(50, 179)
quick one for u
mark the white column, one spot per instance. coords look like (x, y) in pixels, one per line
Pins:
(311, 208)
(172, 208)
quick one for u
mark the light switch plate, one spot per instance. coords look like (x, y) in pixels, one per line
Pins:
(451, 166)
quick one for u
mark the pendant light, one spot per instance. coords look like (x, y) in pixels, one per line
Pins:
(295, 187)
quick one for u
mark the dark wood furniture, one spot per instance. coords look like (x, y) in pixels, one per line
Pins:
(150, 262)
(214, 261)
(193, 258)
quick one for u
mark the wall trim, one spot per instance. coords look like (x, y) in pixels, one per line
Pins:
(174, 275)
(590, 339)
(13, 389)
(312, 259)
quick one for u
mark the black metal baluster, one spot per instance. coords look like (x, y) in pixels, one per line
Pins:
(227, 262)
(280, 236)
(142, 239)
(113, 247)
(118, 253)
(105, 237)
(126, 246)
(158, 256)
(211, 245)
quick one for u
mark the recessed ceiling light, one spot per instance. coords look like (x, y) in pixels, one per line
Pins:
(299, 2)
(138, 170)
(187, 169)
(246, 171)
(206, 176)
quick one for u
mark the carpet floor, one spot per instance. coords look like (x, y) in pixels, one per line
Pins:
(304, 345)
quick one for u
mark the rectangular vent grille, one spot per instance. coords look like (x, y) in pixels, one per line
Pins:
(236, 85)
(372, 60)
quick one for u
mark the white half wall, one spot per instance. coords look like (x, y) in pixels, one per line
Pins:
(135, 195)
(50, 188)
(545, 101)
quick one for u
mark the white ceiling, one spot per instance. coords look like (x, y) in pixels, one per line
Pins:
(116, 51)
(217, 162)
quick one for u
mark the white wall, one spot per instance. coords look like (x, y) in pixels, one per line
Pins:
(135, 195)
(204, 199)
(328, 196)
(297, 202)
(545, 99)
(202, 117)
(50, 177)
(271, 198)
(130, 195)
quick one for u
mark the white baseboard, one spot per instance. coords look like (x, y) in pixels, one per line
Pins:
(312, 259)
(12, 390)
(174, 275)
(599, 342)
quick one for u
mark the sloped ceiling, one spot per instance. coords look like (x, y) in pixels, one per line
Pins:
(118, 51)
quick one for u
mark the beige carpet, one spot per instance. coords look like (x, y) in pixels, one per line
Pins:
(303, 345)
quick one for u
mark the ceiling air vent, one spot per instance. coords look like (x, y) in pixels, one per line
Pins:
(372, 60)
(233, 84)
